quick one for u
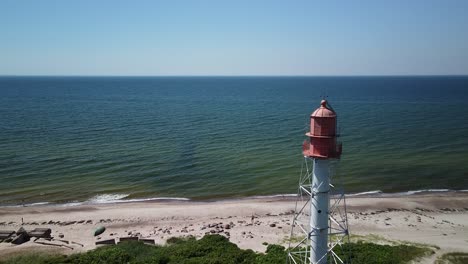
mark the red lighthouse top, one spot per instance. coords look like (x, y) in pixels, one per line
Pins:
(322, 141)
(323, 111)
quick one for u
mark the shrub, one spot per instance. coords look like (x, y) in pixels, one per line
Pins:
(370, 253)
(216, 249)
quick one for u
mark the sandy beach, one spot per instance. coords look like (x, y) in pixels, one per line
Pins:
(438, 220)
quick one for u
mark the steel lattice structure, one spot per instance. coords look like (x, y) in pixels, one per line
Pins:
(299, 250)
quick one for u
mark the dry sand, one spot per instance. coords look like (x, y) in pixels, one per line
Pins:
(440, 220)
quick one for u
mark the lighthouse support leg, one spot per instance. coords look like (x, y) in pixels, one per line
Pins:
(319, 212)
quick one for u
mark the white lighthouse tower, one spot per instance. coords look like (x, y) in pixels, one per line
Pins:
(320, 221)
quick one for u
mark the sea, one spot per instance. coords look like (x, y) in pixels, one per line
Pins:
(86, 140)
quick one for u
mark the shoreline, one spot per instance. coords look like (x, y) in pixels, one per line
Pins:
(122, 200)
(437, 219)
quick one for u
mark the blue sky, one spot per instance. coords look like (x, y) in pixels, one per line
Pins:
(303, 37)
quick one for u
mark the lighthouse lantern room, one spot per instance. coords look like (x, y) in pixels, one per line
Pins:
(322, 143)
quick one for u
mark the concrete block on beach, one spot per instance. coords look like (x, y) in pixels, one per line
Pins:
(106, 242)
(147, 241)
(122, 239)
(4, 234)
(20, 239)
(40, 232)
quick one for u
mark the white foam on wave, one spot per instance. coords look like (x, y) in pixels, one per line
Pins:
(273, 196)
(375, 192)
(112, 199)
(408, 193)
(426, 191)
(26, 205)
(70, 204)
(120, 198)
(106, 198)
(36, 204)
(154, 199)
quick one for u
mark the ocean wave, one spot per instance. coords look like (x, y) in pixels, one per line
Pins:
(31, 204)
(272, 196)
(365, 193)
(154, 199)
(427, 191)
(106, 198)
(36, 204)
(27, 205)
(120, 198)
(68, 204)
(407, 193)
(368, 193)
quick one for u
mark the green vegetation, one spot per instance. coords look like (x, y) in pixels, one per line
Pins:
(372, 238)
(216, 249)
(33, 258)
(363, 252)
(453, 258)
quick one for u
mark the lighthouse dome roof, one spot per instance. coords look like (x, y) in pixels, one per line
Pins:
(323, 110)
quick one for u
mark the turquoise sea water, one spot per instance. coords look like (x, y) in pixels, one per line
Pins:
(96, 139)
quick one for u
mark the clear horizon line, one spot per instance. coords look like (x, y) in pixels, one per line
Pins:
(181, 75)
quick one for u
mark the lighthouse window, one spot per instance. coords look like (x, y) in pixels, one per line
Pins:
(319, 211)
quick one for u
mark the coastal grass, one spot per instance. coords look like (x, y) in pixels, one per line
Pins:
(364, 252)
(453, 258)
(216, 249)
(376, 239)
(34, 258)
